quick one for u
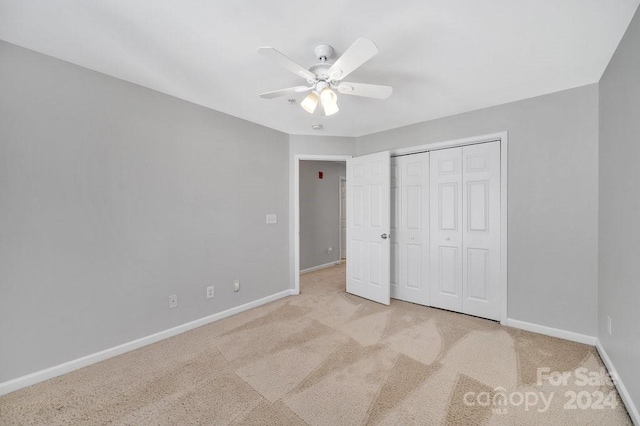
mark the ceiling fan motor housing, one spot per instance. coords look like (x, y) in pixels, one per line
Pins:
(323, 52)
(321, 70)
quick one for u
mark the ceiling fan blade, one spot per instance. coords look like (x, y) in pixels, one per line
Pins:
(282, 60)
(357, 54)
(287, 91)
(366, 90)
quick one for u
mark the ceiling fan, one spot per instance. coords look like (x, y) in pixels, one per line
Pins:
(325, 78)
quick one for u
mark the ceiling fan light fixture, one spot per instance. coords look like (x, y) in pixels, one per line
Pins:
(310, 103)
(328, 96)
(329, 101)
(330, 108)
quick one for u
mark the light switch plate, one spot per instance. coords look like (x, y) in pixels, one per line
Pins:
(272, 218)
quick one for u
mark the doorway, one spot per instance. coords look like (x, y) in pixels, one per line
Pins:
(295, 197)
(320, 214)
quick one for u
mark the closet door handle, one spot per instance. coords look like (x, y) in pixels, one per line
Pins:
(385, 236)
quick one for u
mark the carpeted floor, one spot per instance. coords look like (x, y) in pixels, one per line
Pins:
(327, 357)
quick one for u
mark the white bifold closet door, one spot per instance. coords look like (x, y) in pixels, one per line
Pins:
(368, 226)
(465, 229)
(410, 228)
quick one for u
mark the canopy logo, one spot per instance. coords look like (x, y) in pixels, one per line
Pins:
(500, 400)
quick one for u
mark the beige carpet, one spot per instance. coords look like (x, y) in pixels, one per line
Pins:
(329, 358)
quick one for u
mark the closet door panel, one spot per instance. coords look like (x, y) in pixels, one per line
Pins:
(446, 230)
(412, 234)
(481, 233)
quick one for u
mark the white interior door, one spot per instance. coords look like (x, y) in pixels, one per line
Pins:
(410, 228)
(481, 233)
(446, 229)
(368, 226)
(343, 218)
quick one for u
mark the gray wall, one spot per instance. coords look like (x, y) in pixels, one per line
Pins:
(320, 212)
(553, 199)
(619, 236)
(113, 197)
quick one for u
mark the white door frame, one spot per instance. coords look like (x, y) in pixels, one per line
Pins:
(340, 180)
(296, 208)
(503, 138)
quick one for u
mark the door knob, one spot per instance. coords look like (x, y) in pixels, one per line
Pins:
(385, 236)
(448, 238)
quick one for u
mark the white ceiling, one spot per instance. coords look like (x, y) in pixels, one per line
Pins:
(442, 57)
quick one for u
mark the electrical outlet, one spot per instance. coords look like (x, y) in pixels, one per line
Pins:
(173, 301)
(330, 250)
(209, 292)
(609, 325)
(236, 285)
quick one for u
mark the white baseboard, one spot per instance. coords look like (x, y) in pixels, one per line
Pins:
(553, 332)
(622, 390)
(317, 268)
(58, 370)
